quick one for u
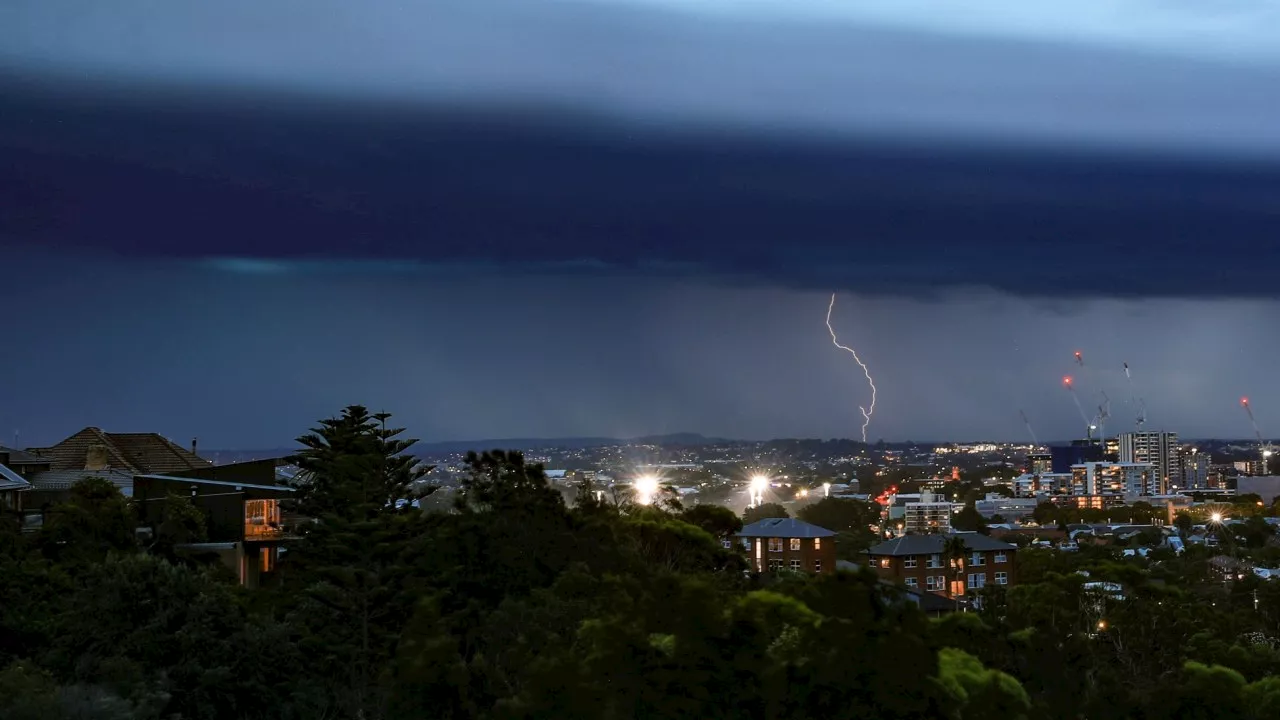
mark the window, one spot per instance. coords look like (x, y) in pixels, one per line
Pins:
(795, 565)
(976, 559)
(977, 580)
(909, 561)
(817, 543)
(775, 545)
(885, 562)
(775, 565)
(931, 583)
(935, 561)
(264, 560)
(728, 544)
(912, 583)
(1000, 557)
(795, 543)
(261, 518)
(1002, 578)
(817, 566)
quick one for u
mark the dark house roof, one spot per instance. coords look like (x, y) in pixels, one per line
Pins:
(933, 544)
(10, 480)
(61, 480)
(784, 528)
(21, 457)
(132, 452)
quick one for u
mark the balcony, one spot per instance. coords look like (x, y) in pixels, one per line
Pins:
(262, 520)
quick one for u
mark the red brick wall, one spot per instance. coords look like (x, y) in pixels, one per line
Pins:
(821, 560)
(897, 570)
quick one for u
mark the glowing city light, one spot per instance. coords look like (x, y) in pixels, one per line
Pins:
(646, 488)
(1216, 517)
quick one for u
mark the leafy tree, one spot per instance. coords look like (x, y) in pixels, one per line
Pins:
(840, 514)
(181, 522)
(1183, 522)
(94, 522)
(720, 522)
(955, 552)
(969, 519)
(763, 511)
(979, 693)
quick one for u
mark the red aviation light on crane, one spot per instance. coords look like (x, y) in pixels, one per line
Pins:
(1244, 401)
(1066, 380)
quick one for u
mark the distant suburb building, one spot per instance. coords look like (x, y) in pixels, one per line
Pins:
(920, 563)
(932, 514)
(775, 544)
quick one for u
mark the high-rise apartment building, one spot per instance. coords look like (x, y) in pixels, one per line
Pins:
(1195, 470)
(1160, 449)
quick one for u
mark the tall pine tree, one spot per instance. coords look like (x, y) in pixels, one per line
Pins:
(353, 568)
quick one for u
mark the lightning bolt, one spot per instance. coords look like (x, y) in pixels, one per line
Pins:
(867, 412)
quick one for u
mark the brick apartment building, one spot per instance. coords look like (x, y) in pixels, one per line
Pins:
(777, 544)
(921, 563)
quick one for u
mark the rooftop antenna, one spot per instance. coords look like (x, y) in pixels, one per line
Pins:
(1027, 422)
(1265, 448)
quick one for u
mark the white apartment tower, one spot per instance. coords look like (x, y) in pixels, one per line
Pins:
(931, 515)
(1160, 449)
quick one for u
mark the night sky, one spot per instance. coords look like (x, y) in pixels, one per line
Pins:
(501, 219)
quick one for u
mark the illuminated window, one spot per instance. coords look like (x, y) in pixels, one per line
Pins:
(817, 543)
(261, 518)
(795, 543)
(775, 545)
(884, 562)
(264, 560)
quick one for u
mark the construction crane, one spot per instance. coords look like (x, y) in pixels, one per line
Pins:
(1104, 414)
(1264, 447)
(1139, 405)
(1034, 439)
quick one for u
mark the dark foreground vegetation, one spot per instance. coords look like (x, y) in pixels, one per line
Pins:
(515, 605)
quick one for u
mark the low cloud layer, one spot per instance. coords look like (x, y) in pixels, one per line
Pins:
(407, 189)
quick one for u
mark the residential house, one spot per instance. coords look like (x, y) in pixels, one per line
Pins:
(920, 563)
(788, 544)
(116, 457)
(13, 483)
(246, 528)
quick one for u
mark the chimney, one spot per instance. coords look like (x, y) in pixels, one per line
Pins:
(193, 445)
(96, 457)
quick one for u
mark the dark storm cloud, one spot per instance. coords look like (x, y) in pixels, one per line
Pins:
(223, 178)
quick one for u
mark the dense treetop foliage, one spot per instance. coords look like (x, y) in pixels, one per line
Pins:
(516, 604)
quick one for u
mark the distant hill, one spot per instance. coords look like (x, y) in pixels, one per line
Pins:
(567, 443)
(522, 444)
